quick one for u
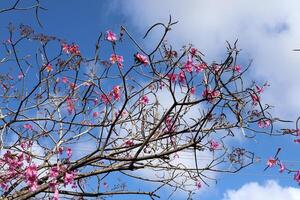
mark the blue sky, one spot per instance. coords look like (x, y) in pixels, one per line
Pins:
(267, 31)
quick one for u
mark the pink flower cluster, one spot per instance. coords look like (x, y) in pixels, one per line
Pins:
(144, 100)
(210, 95)
(115, 94)
(117, 59)
(31, 177)
(70, 48)
(180, 77)
(264, 123)
(273, 162)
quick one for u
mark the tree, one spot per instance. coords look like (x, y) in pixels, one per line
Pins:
(135, 116)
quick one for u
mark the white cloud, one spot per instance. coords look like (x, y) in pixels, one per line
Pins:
(270, 190)
(267, 31)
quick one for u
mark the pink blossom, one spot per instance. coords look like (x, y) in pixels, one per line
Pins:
(213, 145)
(264, 123)
(31, 177)
(200, 67)
(198, 185)
(71, 49)
(110, 36)
(181, 77)
(116, 92)
(105, 99)
(117, 59)
(144, 100)
(69, 178)
(210, 95)
(297, 177)
(4, 186)
(176, 155)
(237, 68)
(105, 185)
(192, 90)
(128, 143)
(123, 114)
(259, 90)
(281, 167)
(255, 99)
(141, 59)
(193, 52)
(95, 114)
(69, 152)
(64, 79)
(23, 144)
(54, 172)
(169, 124)
(28, 126)
(20, 76)
(56, 194)
(271, 162)
(188, 66)
(172, 77)
(60, 150)
(70, 105)
(297, 140)
(48, 67)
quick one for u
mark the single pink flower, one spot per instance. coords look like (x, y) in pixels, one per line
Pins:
(192, 90)
(144, 100)
(110, 36)
(213, 145)
(141, 59)
(20, 76)
(64, 79)
(128, 143)
(69, 152)
(198, 185)
(281, 167)
(95, 114)
(181, 77)
(271, 162)
(28, 126)
(116, 92)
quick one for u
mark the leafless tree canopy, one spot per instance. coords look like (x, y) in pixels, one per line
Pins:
(70, 124)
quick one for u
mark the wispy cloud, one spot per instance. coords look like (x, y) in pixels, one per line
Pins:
(268, 31)
(270, 190)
